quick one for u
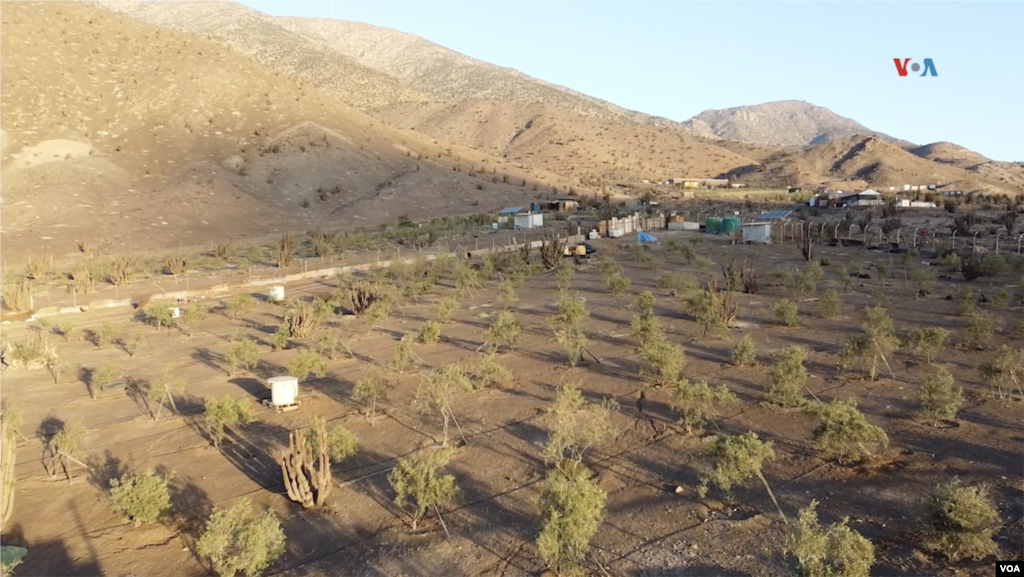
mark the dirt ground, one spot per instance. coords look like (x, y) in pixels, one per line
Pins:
(651, 527)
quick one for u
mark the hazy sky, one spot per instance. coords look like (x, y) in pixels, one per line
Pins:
(676, 59)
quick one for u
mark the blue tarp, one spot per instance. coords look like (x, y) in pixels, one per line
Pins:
(644, 237)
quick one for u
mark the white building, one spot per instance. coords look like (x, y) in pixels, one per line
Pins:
(529, 220)
(757, 232)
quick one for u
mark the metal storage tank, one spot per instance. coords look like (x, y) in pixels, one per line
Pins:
(713, 225)
(283, 390)
(731, 225)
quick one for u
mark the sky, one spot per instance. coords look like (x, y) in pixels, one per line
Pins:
(677, 59)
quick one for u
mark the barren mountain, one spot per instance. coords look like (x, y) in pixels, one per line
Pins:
(861, 160)
(121, 134)
(261, 38)
(779, 124)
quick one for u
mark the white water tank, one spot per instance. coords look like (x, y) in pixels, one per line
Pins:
(277, 293)
(283, 390)
(175, 312)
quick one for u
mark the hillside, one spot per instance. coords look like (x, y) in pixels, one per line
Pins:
(578, 146)
(863, 160)
(258, 36)
(779, 124)
(121, 134)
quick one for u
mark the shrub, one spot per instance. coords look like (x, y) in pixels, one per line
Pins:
(964, 299)
(224, 412)
(33, 354)
(677, 284)
(1004, 370)
(504, 330)
(417, 477)
(745, 352)
(430, 332)
(786, 313)
(713, 310)
(922, 279)
(190, 317)
(65, 447)
(697, 402)
(939, 398)
(134, 344)
(572, 506)
(142, 498)
(564, 272)
(106, 334)
(242, 352)
(105, 375)
(828, 305)
(17, 294)
(490, 373)
(618, 284)
(507, 293)
(926, 342)
(786, 381)
(160, 315)
(571, 311)
(302, 319)
(876, 342)
(844, 434)
(444, 309)
(832, 551)
(664, 359)
(281, 337)
(308, 362)
(66, 328)
(237, 540)
(574, 343)
(978, 332)
(575, 424)
(960, 522)
(371, 387)
(238, 305)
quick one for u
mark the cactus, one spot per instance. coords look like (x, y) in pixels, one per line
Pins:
(8, 447)
(307, 465)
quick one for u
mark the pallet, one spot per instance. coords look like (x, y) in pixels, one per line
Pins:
(281, 408)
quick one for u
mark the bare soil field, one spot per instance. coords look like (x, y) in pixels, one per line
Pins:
(649, 469)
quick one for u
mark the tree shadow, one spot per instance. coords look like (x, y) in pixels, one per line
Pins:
(101, 471)
(256, 459)
(53, 558)
(254, 387)
(138, 391)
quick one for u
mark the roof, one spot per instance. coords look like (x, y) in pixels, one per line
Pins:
(775, 214)
(756, 224)
(511, 210)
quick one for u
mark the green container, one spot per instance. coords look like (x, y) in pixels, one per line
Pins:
(713, 226)
(731, 225)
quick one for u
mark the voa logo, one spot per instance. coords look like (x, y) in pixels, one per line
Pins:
(927, 64)
(1008, 568)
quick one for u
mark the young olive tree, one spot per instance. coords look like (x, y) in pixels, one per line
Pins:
(504, 330)
(696, 402)
(142, 498)
(939, 397)
(960, 522)
(844, 434)
(418, 478)
(835, 550)
(219, 413)
(572, 506)
(786, 381)
(371, 388)
(575, 424)
(439, 391)
(237, 540)
(732, 459)
(876, 343)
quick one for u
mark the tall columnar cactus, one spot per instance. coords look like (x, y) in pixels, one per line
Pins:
(8, 445)
(307, 465)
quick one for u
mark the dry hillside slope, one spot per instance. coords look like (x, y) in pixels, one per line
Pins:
(779, 124)
(868, 160)
(124, 135)
(259, 37)
(582, 147)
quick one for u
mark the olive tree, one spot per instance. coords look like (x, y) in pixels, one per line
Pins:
(237, 540)
(572, 506)
(418, 478)
(834, 550)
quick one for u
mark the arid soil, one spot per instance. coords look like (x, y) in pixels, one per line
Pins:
(656, 525)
